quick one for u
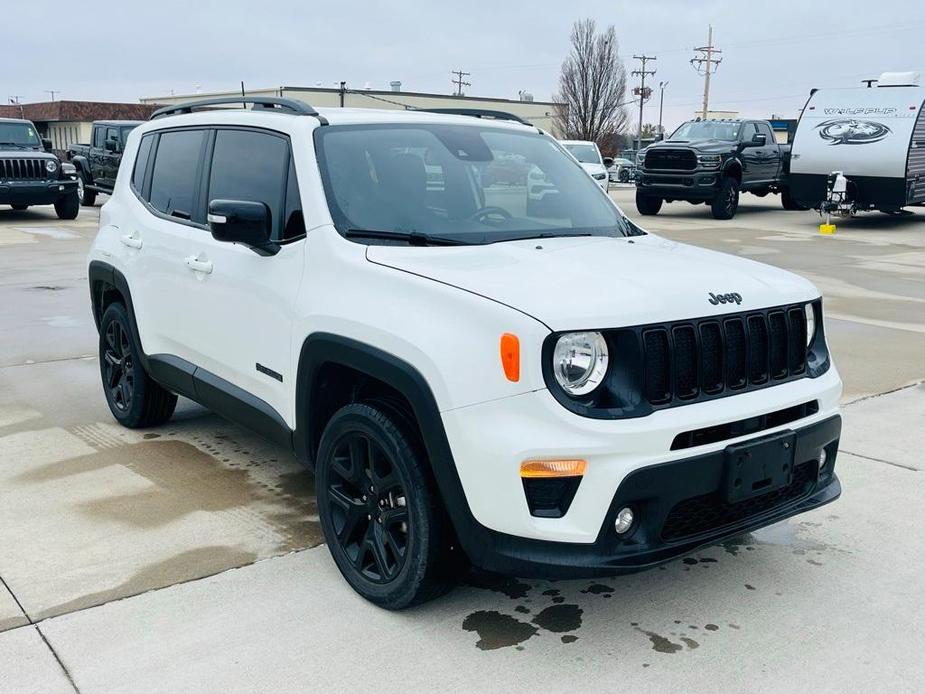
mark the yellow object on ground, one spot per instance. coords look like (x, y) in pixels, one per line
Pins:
(826, 228)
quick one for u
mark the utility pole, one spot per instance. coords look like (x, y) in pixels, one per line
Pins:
(704, 64)
(52, 92)
(643, 91)
(343, 92)
(459, 81)
(15, 100)
(661, 103)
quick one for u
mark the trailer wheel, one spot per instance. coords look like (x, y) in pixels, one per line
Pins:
(786, 199)
(647, 204)
(726, 202)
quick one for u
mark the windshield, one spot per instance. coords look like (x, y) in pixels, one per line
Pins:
(19, 134)
(585, 153)
(707, 130)
(466, 184)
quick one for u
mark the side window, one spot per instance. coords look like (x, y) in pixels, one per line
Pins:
(141, 163)
(294, 225)
(252, 166)
(748, 132)
(98, 136)
(112, 134)
(174, 180)
(765, 130)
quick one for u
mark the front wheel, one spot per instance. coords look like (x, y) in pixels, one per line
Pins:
(68, 206)
(647, 204)
(133, 398)
(380, 512)
(726, 202)
(20, 208)
(788, 202)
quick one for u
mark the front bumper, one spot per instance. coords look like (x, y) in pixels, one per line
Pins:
(35, 193)
(699, 184)
(679, 508)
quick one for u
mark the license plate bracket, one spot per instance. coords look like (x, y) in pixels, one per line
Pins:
(759, 466)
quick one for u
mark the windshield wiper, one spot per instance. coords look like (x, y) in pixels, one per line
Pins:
(414, 238)
(542, 235)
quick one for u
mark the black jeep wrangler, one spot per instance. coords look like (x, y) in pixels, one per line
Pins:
(711, 162)
(31, 175)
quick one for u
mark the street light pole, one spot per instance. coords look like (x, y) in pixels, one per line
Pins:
(661, 103)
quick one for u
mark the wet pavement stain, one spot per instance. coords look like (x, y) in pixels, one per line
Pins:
(523, 609)
(497, 630)
(661, 644)
(569, 638)
(690, 643)
(598, 589)
(510, 587)
(711, 627)
(559, 618)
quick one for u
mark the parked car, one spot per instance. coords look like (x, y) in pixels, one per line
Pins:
(538, 395)
(711, 162)
(32, 175)
(589, 156)
(873, 138)
(622, 170)
(98, 162)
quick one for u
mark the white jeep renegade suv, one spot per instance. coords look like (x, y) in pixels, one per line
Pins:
(548, 392)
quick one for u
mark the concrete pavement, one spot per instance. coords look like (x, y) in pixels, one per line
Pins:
(186, 558)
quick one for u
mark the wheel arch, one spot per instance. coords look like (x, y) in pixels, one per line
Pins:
(108, 285)
(323, 354)
(83, 166)
(733, 169)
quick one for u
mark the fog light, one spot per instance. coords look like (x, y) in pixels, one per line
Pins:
(624, 521)
(822, 457)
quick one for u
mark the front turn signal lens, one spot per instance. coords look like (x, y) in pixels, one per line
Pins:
(553, 468)
(510, 356)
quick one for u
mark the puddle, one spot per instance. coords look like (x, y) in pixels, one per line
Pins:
(559, 618)
(510, 587)
(497, 630)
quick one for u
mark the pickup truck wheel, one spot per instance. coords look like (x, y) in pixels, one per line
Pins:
(87, 197)
(20, 208)
(788, 203)
(380, 513)
(726, 202)
(68, 206)
(647, 204)
(133, 398)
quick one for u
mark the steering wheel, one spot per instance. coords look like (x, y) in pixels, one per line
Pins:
(483, 212)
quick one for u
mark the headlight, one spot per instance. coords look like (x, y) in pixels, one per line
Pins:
(580, 362)
(600, 176)
(68, 169)
(810, 323)
(640, 157)
(709, 161)
(51, 166)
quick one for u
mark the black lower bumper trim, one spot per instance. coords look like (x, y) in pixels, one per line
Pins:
(655, 493)
(35, 193)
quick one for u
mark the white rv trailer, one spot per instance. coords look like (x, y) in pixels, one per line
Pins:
(873, 136)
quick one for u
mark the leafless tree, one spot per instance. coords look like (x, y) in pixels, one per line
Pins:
(592, 86)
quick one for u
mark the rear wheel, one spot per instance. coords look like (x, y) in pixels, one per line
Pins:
(380, 512)
(726, 202)
(68, 206)
(647, 204)
(788, 203)
(20, 208)
(133, 398)
(87, 197)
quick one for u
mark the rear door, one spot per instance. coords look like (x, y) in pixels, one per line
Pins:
(243, 301)
(97, 153)
(770, 155)
(109, 160)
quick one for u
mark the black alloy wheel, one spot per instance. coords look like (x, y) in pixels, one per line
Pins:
(118, 367)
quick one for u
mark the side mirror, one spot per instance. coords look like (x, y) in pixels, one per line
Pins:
(608, 162)
(759, 140)
(244, 222)
(111, 145)
(46, 144)
(660, 137)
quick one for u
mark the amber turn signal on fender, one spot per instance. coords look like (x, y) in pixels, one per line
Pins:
(510, 356)
(553, 468)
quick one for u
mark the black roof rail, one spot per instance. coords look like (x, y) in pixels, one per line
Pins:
(269, 103)
(478, 113)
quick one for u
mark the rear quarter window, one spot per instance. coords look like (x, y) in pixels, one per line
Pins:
(175, 177)
(141, 163)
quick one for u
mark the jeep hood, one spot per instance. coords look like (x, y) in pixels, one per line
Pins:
(601, 282)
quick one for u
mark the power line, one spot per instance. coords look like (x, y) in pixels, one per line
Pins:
(641, 90)
(459, 81)
(705, 63)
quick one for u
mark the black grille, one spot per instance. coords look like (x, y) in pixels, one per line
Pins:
(23, 170)
(709, 357)
(710, 512)
(671, 159)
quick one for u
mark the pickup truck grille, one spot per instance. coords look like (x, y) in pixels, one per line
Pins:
(671, 159)
(24, 170)
(708, 357)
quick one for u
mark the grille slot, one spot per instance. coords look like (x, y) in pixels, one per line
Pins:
(797, 340)
(657, 366)
(777, 344)
(711, 358)
(671, 159)
(757, 349)
(685, 362)
(736, 352)
(23, 169)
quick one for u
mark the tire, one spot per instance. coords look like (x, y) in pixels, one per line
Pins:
(87, 197)
(624, 176)
(68, 206)
(133, 398)
(647, 204)
(384, 522)
(726, 201)
(788, 203)
(20, 208)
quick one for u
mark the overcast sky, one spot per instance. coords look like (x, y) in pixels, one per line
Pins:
(121, 51)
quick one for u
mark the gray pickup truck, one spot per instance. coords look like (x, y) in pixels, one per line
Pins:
(98, 162)
(711, 162)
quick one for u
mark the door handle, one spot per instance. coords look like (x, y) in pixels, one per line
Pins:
(131, 241)
(204, 266)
